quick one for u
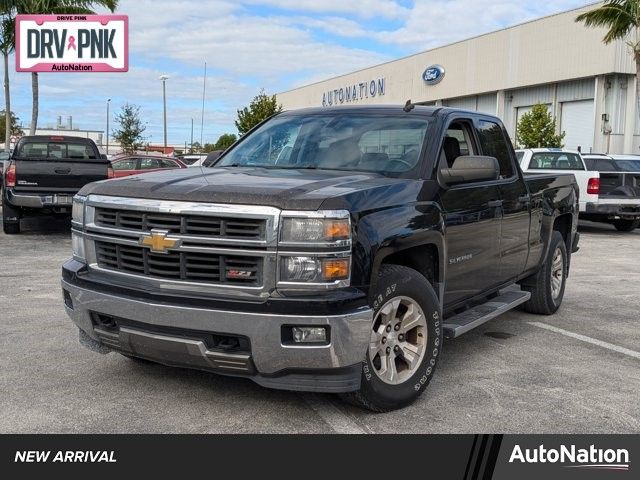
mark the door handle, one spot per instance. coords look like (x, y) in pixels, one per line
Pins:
(494, 203)
(62, 171)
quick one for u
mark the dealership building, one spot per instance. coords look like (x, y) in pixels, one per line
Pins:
(589, 87)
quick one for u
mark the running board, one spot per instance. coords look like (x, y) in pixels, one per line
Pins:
(470, 319)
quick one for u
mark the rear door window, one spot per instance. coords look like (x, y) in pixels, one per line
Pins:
(127, 164)
(494, 144)
(149, 163)
(168, 164)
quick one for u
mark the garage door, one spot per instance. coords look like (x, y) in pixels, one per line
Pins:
(578, 124)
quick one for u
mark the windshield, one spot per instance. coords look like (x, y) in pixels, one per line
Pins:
(54, 150)
(337, 141)
(555, 161)
(611, 165)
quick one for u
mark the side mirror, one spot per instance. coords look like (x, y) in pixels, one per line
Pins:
(471, 168)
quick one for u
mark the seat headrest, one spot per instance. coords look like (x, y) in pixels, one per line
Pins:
(341, 154)
(451, 149)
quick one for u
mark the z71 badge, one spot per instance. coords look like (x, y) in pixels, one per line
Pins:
(72, 43)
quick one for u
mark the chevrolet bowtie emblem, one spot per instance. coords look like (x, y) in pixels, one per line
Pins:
(158, 241)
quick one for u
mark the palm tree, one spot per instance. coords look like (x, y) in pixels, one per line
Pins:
(7, 42)
(10, 8)
(621, 18)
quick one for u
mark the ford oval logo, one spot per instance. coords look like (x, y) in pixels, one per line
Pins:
(433, 74)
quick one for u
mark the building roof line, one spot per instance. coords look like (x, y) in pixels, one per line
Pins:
(590, 4)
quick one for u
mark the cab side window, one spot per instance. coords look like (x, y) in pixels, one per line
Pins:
(457, 142)
(149, 163)
(494, 144)
(128, 164)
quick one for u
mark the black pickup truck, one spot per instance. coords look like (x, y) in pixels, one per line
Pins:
(43, 175)
(328, 250)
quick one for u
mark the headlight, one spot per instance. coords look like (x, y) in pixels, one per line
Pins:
(77, 244)
(314, 250)
(77, 211)
(333, 228)
(313, 269)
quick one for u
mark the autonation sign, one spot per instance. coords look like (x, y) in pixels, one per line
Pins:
(72, 43)
(354, 93)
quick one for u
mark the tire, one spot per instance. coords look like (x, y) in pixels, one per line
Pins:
(626, 225)
(546, 293)
(399, 290)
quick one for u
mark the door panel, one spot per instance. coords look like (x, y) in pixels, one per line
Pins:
(472, 235)
(514, 238)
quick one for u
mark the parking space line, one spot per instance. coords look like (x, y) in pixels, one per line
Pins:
(584, 338)
(336, 419)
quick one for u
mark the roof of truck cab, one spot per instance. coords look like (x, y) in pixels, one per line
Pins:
(55, 138)
(629, 156)
(423, 110)
(548, 150)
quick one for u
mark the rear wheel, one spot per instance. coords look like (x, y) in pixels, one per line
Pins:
(406, 338)
(626, 225)
(547, 286)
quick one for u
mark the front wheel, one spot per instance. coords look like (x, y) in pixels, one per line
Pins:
(406, 339)
(626, 225)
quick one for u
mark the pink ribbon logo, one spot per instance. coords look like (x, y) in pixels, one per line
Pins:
(72, 43)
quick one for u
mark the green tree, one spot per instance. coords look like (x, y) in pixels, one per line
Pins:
(195, 147)
(537, 129)
(261, 107)
(10, 8)
(225, 141)
(131, 129)
(14, 124)
(620, 18)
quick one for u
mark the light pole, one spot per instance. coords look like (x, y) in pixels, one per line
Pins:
(108, 103)
(164, 79)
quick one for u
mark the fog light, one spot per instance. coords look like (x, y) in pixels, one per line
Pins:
(309, 334)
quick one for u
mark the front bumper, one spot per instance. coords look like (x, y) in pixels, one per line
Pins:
(335, 367)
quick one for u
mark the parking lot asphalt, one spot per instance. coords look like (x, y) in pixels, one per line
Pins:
(577, 371)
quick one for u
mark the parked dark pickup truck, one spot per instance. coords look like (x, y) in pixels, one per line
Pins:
(43, 175)
(328, 250)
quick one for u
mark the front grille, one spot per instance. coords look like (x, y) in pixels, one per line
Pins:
(192, 225)
(187, 266)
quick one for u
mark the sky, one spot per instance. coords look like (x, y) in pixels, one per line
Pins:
(250, 45)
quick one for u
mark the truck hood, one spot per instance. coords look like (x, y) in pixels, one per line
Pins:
(281, 188)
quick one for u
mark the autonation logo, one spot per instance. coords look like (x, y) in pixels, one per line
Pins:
(574, 457)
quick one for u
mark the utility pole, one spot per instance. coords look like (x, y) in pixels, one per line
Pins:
(164, 79)
(192, 135)
(204, 88)
(108, 103)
